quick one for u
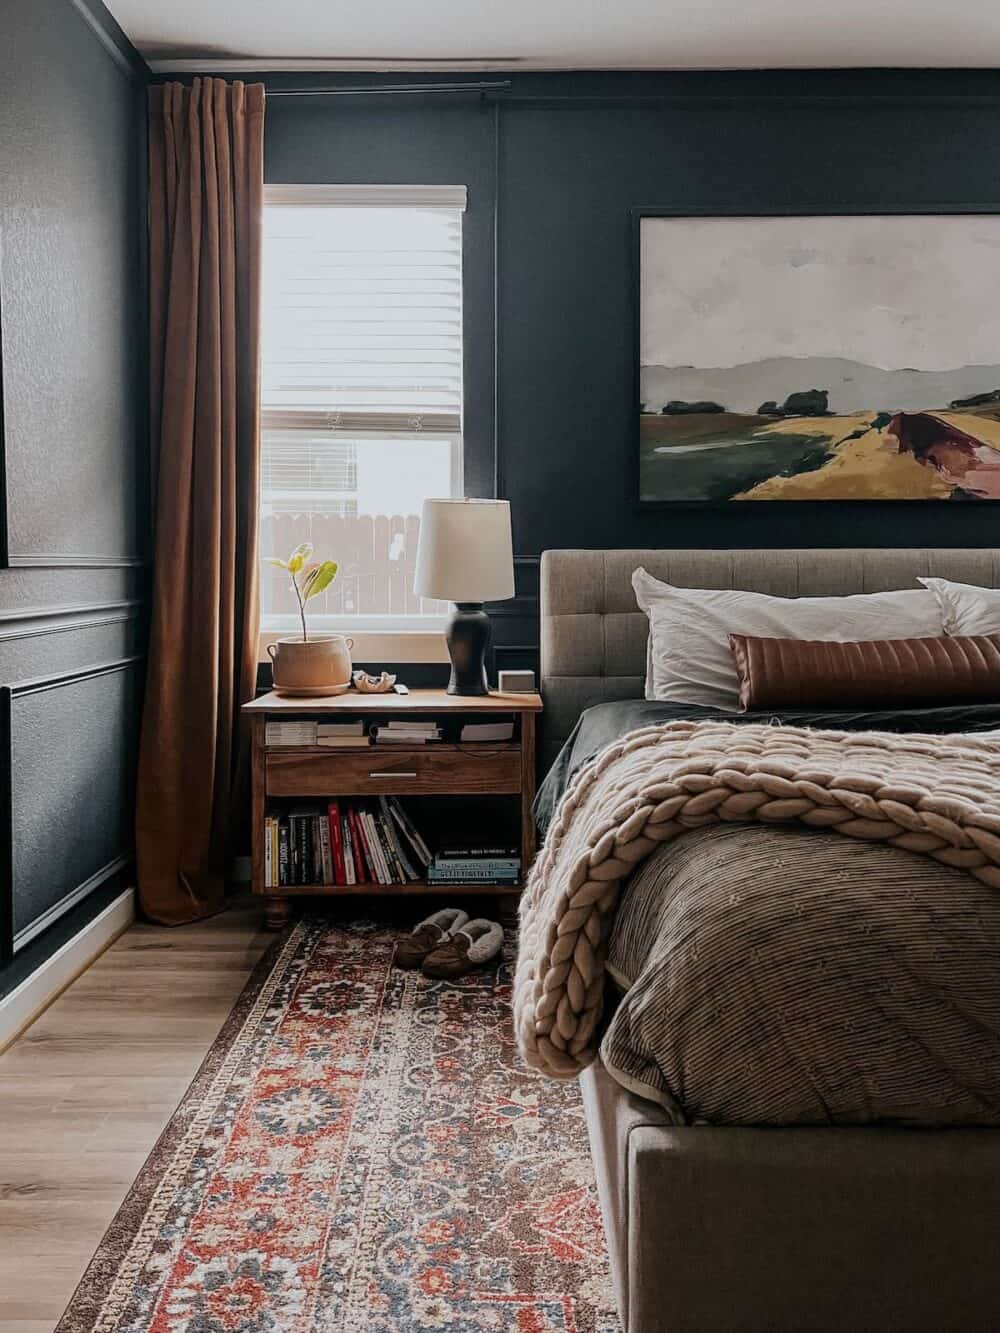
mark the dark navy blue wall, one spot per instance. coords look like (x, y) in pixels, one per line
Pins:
(556, 163)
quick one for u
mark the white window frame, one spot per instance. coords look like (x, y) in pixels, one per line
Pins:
(421, 634)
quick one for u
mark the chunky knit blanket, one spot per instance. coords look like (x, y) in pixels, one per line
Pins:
(938, 796)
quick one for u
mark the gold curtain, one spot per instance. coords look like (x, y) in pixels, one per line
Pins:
(206, 193)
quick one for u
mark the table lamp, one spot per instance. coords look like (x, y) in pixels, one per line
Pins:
(465, 556)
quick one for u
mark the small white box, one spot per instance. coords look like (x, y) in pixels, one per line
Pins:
(516, 682)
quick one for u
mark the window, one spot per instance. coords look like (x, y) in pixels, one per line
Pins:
(361, 397)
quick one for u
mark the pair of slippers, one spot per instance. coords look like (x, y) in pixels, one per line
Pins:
(447, 944)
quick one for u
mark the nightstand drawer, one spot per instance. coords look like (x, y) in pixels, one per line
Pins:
(443, 769)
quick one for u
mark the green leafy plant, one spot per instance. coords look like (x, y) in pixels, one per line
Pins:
(309, 578)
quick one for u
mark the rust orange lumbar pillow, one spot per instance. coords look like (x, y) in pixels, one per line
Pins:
(802, 673)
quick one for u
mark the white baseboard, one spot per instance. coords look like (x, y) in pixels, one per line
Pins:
(32, 997)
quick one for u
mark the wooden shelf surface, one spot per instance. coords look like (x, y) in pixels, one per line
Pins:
(477, 749)
(417, 701)
(416, 888)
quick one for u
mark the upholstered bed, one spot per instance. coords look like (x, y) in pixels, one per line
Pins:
(720, 1226)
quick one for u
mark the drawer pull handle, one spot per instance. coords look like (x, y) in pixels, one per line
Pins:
(392, 775)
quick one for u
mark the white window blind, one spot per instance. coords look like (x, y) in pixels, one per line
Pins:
(363, 294)
(361, 398)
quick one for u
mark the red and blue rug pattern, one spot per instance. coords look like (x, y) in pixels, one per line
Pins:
(361, 1151)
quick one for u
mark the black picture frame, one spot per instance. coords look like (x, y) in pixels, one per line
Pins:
(637, 215)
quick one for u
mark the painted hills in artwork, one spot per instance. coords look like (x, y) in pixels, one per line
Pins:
(819, 428)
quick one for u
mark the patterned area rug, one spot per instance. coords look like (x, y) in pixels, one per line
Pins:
(362, 1151)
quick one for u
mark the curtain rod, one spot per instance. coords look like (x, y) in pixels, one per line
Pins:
(384, 89)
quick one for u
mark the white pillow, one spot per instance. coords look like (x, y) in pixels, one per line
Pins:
(966, 609)
(689, 659)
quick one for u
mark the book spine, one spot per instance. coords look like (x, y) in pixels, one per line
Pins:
(362, 856)
(384, 847)
(336, 843)
(284, 854)
(326, 852)
(309, 823)
(468, 854)
(361, 872)
(376, 846)
(305, 843)
(348, 850)
(499, 865)
(476, 877)
(395, 869)
(294, 850)
(387, 868)
(303, 825)
(316, 848)
(268, 869)
(510, 881)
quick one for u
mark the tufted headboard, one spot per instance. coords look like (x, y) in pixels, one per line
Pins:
(593, 636)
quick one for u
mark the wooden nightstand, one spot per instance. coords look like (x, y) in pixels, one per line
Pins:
(438, 769)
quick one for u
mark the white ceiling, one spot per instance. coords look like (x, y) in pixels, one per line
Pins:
(562, 34)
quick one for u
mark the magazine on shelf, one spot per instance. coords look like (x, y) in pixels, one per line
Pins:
(399, 852)
(487, 731)
(390, 735)
(410, 831)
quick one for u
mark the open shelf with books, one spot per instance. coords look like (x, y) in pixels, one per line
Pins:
(374, 794)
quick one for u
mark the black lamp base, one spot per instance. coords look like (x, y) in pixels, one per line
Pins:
(468, 637)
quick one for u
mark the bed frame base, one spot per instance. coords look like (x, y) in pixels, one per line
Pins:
(809, 1230)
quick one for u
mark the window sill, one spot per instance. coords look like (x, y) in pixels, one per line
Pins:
(374, 646)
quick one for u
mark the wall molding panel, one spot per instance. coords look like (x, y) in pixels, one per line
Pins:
(39, 684)
(66, 560)
(94, 881)
(14, 936)
(36, 620)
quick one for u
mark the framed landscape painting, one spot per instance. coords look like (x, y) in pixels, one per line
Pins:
(818, 358)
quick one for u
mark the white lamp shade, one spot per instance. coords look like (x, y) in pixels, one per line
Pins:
(465, 553)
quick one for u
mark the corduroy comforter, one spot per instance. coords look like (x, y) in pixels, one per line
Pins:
(794, 974)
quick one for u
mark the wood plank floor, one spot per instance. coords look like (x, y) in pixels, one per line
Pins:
(85, 1092)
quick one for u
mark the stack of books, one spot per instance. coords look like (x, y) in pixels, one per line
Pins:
(342, 735)
(348, 842)
(471, 864)
(411, 732)
(333, 735)
(291, 732)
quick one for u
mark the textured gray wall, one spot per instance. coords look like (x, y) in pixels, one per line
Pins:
(75, 494)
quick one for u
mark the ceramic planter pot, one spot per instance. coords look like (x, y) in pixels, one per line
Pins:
(317, 666)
